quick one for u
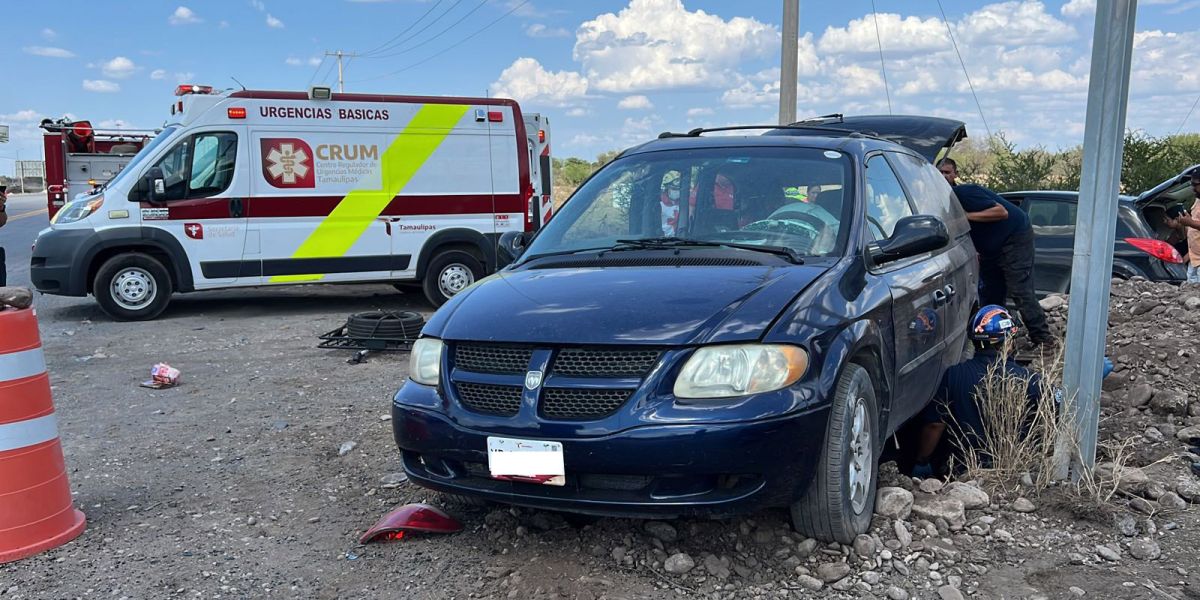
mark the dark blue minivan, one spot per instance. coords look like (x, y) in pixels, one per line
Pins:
(711, 324)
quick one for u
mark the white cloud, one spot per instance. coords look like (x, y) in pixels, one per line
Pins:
(274, 23)
(118, 68)
(899, 35)
(48, 51)
(637, 102)
(101, 86)
(1014, 24)
(114, 124)
(258, 5)
(1078, 8)
(538, 30)
(659, 44)
(158, 74)
(183, 16)
(578, 111)
(293, 61)
(223, 24)
(526, 80)
(49, 34)
(22, 116)
(699, 112)
(748, 95)
(185, 77)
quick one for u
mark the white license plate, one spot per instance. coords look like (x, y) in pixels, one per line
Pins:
(531, 461)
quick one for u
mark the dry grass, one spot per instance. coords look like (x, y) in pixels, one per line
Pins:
(1034, 437)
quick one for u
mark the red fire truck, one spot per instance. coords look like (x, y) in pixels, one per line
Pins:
(79, 157)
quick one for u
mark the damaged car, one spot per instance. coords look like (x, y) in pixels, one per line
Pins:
(712, 324)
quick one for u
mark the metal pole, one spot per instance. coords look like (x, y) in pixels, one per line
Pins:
(341, 88)
(1091, 271)
(788, 62)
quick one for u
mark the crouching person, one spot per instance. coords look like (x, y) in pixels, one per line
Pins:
(958, 401)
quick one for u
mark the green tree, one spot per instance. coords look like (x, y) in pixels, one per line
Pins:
(1028, 169)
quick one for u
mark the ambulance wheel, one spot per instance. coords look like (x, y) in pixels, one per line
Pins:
(450, 272)
(132, 287)
(840, 499)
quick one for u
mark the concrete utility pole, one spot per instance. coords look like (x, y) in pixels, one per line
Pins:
(339, 54)
(787, 62)
(1100, 182)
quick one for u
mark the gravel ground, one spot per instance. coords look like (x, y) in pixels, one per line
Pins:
(231, 485)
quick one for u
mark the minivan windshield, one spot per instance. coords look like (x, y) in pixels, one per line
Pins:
(793, 200)
(138, 158)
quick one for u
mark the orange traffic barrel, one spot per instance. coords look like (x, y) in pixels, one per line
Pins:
(36, 512)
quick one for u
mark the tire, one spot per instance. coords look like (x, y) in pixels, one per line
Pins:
(449, 273)
(384, 324)
(837, 506)
(132, 287)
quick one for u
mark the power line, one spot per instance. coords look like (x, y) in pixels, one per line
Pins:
(1188, 116)
(436, 35)
(447, 48)
(403, 31)
(418, 32)
(313, 77)
(882, 67)
(964, 68)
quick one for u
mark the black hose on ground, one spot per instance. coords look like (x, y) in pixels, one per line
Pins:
(384, 324)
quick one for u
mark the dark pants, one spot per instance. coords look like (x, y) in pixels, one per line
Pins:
(1011, 274)
(3, 270)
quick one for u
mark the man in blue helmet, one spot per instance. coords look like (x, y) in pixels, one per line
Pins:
(956, 401)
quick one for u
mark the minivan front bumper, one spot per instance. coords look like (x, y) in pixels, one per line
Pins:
(656, 470)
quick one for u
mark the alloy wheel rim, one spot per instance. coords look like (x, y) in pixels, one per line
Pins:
(860, 467)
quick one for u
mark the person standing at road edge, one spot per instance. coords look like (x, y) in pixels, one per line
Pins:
(1191, 225)
(1003, 237)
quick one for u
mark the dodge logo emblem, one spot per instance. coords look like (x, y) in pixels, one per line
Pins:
(533, 379)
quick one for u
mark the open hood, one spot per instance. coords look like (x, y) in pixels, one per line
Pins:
(1176, 190)
(926, 136)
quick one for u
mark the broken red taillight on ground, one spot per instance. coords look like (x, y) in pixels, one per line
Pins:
(410, 518)
(1156, 248)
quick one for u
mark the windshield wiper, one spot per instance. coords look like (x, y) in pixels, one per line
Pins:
(524, 259)
(678, 242)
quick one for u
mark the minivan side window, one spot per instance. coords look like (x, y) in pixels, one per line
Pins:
(199, 166)
(886, 202)
(930, 193)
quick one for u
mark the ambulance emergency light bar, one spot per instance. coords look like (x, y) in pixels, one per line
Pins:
(187, 88)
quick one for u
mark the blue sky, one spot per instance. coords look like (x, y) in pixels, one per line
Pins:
(609, 74)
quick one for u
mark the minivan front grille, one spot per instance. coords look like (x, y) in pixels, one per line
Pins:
(489, 358)
(603, 362)
(581, 403)
(504, 400)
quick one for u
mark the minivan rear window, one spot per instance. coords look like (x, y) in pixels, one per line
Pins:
(798, 198)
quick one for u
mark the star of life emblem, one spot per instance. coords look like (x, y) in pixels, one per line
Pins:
(287, 163)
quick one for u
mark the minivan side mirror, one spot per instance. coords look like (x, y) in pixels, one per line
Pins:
(913, 235)
(511, 246)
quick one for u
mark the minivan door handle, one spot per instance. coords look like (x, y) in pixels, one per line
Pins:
(939, 297)
(950, 291)
(236, 208)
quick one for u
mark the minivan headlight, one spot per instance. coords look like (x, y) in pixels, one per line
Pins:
(740, 370)
(77, 210)
(425, 361)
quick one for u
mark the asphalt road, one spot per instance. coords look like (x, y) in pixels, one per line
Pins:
(26, 217)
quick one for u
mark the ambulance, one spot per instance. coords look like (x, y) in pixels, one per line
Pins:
(258, 188)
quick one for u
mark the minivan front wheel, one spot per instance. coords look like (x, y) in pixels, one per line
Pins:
(132, 287)
(839, 501)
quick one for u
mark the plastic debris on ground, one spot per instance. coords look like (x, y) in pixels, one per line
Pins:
(162, 376)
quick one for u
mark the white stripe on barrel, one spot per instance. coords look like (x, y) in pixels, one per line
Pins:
(19, 365)
(28, 432)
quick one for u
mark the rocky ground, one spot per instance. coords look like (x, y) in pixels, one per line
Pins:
(241, 483)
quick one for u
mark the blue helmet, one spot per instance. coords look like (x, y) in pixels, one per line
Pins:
(993, 324)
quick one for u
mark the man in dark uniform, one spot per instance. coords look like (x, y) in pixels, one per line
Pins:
(3, 221)
(1004, 239)
(956, 400)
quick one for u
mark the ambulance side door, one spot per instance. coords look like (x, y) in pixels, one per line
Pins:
(315, 209)
(203, 205)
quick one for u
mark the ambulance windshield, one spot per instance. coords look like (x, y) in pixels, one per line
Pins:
(781, 197)
(138, 158)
